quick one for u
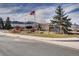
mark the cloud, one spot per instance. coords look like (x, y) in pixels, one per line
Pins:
(74, 17)
(21, 13)
(8, 10)
(44, 13)
(70, 8)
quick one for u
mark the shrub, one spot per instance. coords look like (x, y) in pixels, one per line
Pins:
(16, 29)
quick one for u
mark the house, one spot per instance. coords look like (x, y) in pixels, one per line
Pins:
(31, 25)
(17, 23)
(44, 26)
(75, 27)
(27, 25)
(54, 28)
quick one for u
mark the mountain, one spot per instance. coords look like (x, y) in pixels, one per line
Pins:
(16, 22)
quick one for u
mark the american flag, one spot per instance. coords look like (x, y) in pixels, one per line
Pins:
(32, 13)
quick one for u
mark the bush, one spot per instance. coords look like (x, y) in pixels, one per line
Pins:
(41, 32)
(33, 30)
(17, 29)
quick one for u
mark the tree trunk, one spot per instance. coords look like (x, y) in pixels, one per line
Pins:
(61, 30)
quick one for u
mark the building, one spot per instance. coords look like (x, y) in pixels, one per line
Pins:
(75, 27)
(31, 25)
(44, 26)
(17, 23)
(54, 28)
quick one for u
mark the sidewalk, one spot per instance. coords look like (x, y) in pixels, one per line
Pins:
(68, 42)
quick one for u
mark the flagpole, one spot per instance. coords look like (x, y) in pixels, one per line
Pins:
(35, 17)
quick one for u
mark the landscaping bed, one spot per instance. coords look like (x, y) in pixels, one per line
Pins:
(46, 34)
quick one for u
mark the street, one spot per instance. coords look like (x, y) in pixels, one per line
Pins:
(10, 46)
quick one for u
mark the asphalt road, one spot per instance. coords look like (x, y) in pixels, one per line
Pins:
(24, 47)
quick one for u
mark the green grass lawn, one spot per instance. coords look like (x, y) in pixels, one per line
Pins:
(45, 34)
(48, 34)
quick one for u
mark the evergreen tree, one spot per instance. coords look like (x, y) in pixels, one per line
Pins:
(61, 20)
(7, 24)
(1, 23)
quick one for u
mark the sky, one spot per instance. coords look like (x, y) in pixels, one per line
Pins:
(44, 12)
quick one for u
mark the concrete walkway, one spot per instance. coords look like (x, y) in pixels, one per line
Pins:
(68, 42)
